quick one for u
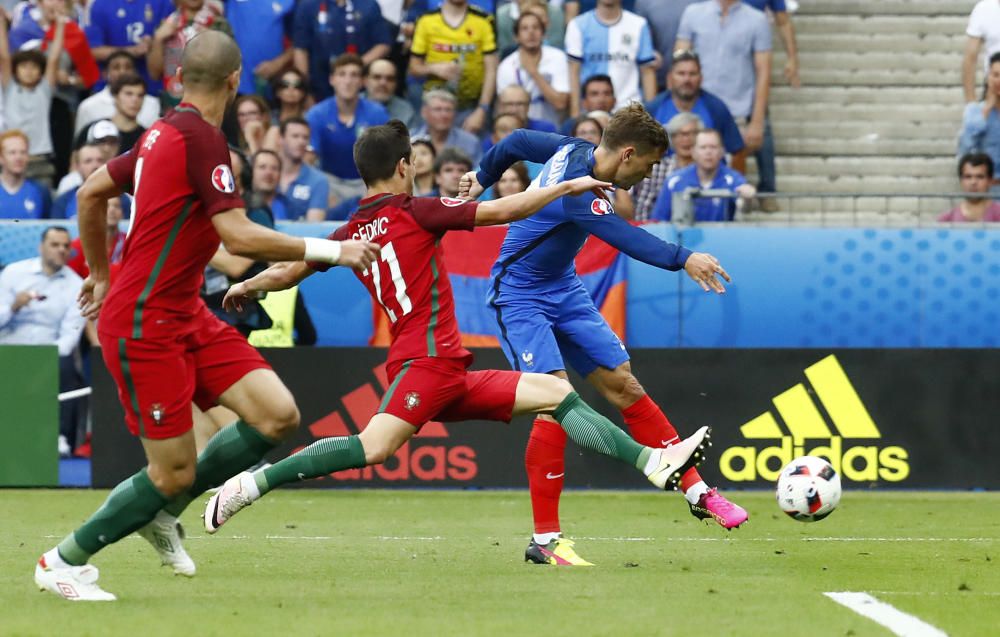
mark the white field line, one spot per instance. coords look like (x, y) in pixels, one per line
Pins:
(900, 623)
(438, 538)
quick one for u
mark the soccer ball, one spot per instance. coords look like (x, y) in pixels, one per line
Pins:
(808, 489)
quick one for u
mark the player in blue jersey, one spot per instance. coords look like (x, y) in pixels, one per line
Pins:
(545, 314)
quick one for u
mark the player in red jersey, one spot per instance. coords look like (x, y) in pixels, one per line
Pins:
(427, 363)
(163, 347)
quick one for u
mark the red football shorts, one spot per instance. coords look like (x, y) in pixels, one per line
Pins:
(159, 378)
(426, 389)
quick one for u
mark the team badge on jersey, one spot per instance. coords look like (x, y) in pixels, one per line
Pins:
(601, 207)
(411, 400)
(222, 179)
(452, 202)
(156, 411)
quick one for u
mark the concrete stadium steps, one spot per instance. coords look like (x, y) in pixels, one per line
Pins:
(916, 25)
(879, 42)
(925, 8)
(879, 110)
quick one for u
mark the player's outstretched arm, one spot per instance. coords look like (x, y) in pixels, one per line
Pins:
(279, 276)
(521, 145)
(703, 268)
(524, 204)
(92, 213)
(247, 239)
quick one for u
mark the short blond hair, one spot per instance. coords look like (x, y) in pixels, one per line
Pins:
(11, 134)
(634, 126)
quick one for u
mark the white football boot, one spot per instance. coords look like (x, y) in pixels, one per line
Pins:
(165, 534)
(235, 494)
(75, 583)
(678, 458)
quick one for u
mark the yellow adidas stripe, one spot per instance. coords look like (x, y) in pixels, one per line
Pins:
(840, 399)
(800, 414)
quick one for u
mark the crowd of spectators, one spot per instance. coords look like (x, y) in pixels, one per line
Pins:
(86, 75)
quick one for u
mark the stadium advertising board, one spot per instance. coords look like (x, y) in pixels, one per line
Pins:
(885, 418)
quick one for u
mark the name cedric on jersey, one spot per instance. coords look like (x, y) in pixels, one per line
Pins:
(374, 228)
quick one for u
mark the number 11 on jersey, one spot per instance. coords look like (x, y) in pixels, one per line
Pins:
(395, 280)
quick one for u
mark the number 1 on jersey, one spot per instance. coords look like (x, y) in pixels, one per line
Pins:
(396, 277)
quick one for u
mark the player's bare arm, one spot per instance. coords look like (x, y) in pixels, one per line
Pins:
(92, 205)
(245, 238)
(280, 276)
(524, 204)
(704, 269)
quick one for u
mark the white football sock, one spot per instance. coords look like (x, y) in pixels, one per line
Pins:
(694, 494)
(544, 538)
(653, 462)
(54, 560)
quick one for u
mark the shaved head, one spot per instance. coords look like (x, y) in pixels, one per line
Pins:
(208, 60)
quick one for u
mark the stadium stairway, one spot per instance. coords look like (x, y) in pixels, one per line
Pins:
(878, 112)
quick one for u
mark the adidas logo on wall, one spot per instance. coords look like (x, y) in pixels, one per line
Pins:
(809, 431)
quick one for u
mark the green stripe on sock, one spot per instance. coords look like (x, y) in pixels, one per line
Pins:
(593, 431)
(70, 551)
(321, 458)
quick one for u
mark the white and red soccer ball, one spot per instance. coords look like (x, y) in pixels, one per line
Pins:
(808, 489)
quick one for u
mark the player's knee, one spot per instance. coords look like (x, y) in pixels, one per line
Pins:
(626, 391)
(378, 451)
(559, 387)
(172, 481)
(282, 419)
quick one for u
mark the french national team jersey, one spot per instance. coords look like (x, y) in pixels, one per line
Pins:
(179, 175)
(539, 252)
(332, 140)
(616, 50)
(409, 281)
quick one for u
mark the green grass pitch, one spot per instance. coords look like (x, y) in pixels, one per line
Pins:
(450, 563)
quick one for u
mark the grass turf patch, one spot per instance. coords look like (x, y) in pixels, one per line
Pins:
(451, 563)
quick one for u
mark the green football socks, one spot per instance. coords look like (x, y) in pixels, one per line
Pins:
(129, 507)
(322, 457)
(233, 449)
(593, 431)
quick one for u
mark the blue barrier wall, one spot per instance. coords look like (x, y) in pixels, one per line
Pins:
(792, 287)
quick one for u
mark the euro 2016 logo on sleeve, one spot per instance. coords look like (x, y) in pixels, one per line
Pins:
(222, 179)
(601, 207)
(452, 202)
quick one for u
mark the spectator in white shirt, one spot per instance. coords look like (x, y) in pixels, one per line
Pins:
(540, 69)
(38, 307)
(983, 30)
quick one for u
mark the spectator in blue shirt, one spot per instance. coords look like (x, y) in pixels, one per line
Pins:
(981, 121)
(336, 122)
(733, 41)
(265, 171)
(126, 25)
(380, 86)
(687, 96)
(438, 113)
(20, 198)
(707, 173)
(306, 189)
(325, 29)
(259, 30)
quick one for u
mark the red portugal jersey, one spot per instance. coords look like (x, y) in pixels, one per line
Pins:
(180, 176)
(409, 280)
